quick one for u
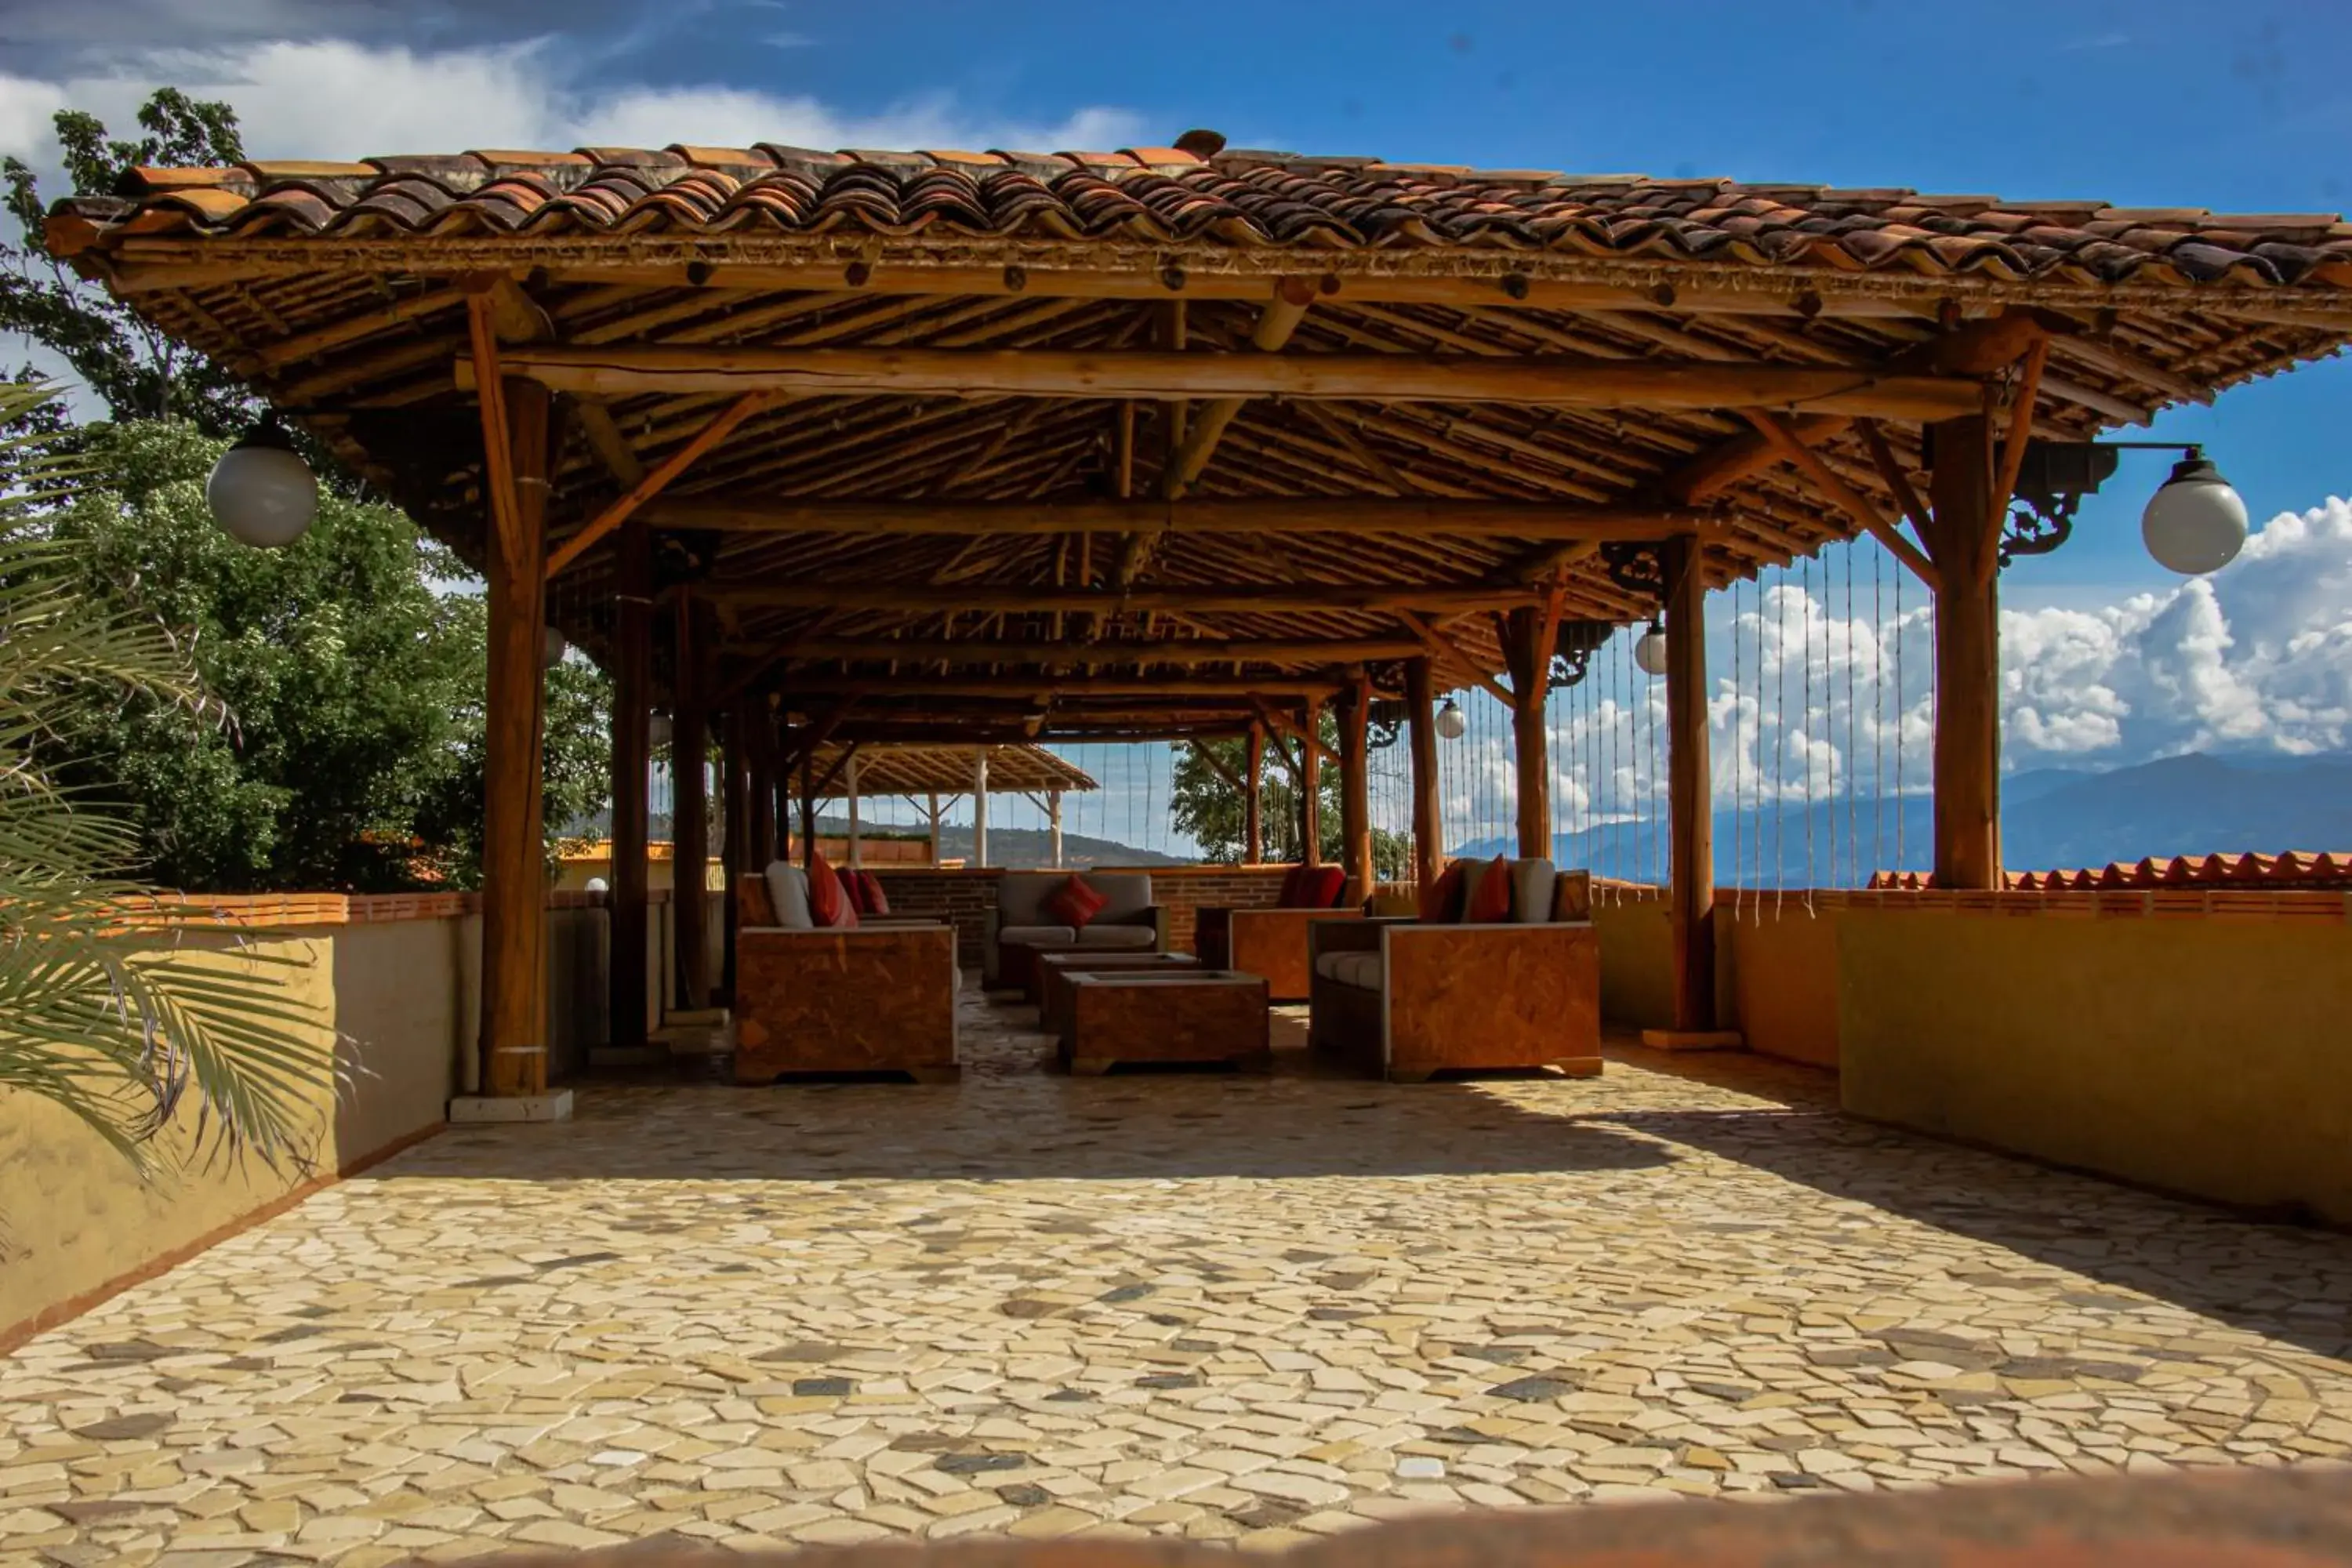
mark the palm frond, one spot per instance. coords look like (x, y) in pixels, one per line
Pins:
(123, 1006)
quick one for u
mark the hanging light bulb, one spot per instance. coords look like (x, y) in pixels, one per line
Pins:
(1451, 722)
(1650, 653)
(551, 647)
(261, 493)
(2195, 523)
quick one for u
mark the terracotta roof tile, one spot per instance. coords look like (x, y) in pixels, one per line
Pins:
(2291, 870)
(1240, 198)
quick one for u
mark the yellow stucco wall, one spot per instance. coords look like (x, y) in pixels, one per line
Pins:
(1637, 961)
(1778, 969)
(383, 1003)
(2204, 1056)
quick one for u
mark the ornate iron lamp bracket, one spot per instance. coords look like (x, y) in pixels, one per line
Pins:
(1634, 566)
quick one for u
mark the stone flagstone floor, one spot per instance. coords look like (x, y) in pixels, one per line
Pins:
(1230, 1308)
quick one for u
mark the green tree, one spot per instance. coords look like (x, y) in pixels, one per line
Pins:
(349, 667)
(119, 1006)
(141, 373)
(1208, 808)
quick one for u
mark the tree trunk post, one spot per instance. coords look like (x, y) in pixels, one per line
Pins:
(1428, 850)
(1253, 798)
(1355, 790)
(1967, 528)
(759, 738)
(1054, 823)
(625, 911)
(514, 878)
(690, 816)
(980, 808)
(849, 771)
(1530, 664)
(935, 826)
(1690, 798)
(735, 840)
(1310, 786)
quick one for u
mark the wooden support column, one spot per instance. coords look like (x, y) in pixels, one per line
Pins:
(1254, 798)
(1355, 790)
(1527, 646)
(856, 857)
(1967, 528)
(735, 843)
(980, 808)
(1690, 797)
(514, 870)
(1310, 788)
(934, 803)
(690, 814)
(1428, 847)
(761, 753)
(625, 916)
(808, 808)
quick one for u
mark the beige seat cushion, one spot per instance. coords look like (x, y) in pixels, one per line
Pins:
(1360, 969)
(1038, 936)
(1100, 935)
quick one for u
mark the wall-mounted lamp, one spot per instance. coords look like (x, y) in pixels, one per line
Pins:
(2194, 523)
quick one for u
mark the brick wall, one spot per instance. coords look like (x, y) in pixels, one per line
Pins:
(964, 897)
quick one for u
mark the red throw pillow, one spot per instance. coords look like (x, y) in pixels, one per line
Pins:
(1322, 887)
(829, 903)
(1074, 903)
(1289, 899)
(1490, 902)
(873, 902)
(1439, 904)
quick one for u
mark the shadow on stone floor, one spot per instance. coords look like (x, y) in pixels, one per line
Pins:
(2288, 1282)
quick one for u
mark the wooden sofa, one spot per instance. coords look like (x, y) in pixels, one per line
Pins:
(1406, 1000)
(1270, 942)
(1020, 926)
(880, 997)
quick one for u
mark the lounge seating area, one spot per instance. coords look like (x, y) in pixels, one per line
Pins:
(1058, 911)
(1501, 969)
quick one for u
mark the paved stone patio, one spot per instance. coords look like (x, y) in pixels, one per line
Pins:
(1229, 1308)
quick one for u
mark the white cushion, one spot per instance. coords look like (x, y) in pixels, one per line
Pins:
(1360, 969)
(1327, 964)
(788, 891)
(1531, 892)
(1038, 936)
(1101, 936)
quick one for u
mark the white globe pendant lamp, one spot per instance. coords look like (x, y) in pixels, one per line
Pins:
(2195, 523)
(1451, 722)
(1650, 652)
(261, 493)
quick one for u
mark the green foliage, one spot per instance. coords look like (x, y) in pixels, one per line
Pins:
(1213, 811)
(139, 373)
(350, 668)
(112, 1006)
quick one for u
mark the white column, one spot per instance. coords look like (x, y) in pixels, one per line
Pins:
(934, 827)
(979, 810)
(856, 857)
(1053, 818)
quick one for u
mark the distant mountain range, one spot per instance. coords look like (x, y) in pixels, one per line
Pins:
(2051, 818)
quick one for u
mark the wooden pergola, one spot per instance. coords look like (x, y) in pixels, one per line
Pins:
(850, 771)
(982, 447)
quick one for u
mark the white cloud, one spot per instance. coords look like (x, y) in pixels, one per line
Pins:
(338, 98)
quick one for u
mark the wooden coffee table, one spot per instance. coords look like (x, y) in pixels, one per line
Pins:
(1052, 996)
(1199, 1015)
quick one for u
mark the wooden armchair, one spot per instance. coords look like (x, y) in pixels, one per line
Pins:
(877, 998)
(1407, 999)
(1268, 943)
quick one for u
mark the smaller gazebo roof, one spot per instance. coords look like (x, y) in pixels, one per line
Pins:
(917, 770)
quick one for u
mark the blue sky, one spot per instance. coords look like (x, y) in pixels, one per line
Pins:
(2236, 108)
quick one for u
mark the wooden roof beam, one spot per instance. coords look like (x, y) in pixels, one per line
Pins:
(1846, 496)
(1569, 381)
(1251, 598)
(652, 482)
(1051, 687)
(1276, 322)
(1305, 514)
(1187, 652)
